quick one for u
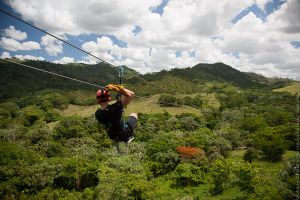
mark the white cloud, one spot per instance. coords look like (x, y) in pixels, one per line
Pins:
(203, 27)
(286, 19)
(65, 60)
(11, 32)
(29, 57)
(52, 45)
(80, 16)
(10, 44)
(5, 54)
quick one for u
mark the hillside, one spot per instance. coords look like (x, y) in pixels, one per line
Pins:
(293, 88)
(202, 73)
(17, 80)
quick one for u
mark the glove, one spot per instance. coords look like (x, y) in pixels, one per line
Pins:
(114, 87)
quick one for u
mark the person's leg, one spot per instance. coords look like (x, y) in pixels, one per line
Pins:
(131, 123)
(132, 120)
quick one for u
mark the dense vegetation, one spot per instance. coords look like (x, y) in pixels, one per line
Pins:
(243, 148)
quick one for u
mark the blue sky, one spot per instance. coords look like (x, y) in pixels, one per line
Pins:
(151, 35)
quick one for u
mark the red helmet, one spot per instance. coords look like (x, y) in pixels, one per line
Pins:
(103, 95)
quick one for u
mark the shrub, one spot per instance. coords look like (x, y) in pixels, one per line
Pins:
(70, 127)
(188, 174)
(271, 144)
(289, 175)
(251, 154)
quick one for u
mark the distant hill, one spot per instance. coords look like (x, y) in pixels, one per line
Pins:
(17, 80)
(202, 73)
(294, 88)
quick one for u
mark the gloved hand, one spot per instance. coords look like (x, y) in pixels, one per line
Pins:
(114, 87)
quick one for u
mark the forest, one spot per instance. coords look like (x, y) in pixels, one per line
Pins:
(240, 140)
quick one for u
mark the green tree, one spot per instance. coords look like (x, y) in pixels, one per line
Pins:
(168, 100)
(251, 154)
(188, 174)
(220, 171)
(31, 114)
(253, 124)
(289, 176)
(161, 151)
(271, 144)
(12, 107)
(70, 127)
(245, 174)
(5, 117)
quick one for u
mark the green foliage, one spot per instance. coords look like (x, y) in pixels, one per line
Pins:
(169, 100)
(220, 172)
(30, 115)
(232, 135)
(10, 153)
(11, 107)
(253, 124)
(188, 174)
(271, 144)
(278, 116)
(162, 151)
(76, 173)
(52, 116)
(290, 178)
(5, 117)
(49, 148)
(245, 174)
(70, 127)
(251, 154)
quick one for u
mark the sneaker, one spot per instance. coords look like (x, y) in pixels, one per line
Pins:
(129, 139)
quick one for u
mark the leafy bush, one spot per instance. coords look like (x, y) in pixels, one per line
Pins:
(31, 114)
(70, 127)
(52, 116)
(220, 172)
(188, 174)
(11, 107)
(271, 144)
(289, 175)
(251, 154)
(169, 100)
(245, 174)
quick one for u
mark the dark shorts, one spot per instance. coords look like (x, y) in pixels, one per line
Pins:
(131, 122)
(127, 130)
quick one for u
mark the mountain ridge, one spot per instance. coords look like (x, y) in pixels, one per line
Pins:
(17, 81)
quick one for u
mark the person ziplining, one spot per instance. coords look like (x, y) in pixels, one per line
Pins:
(111, 115)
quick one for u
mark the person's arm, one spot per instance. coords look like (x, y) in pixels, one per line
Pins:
(127, 96)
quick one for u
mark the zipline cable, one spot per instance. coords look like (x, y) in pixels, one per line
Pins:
(13, 16)
(74, 46)
(73, 79)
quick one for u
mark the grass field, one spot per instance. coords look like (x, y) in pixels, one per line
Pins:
(146, 105)
(142, 105)
(83, 111)
(150, 106)
(293, 88)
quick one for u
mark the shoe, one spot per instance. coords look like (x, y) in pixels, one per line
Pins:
(129, 139)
